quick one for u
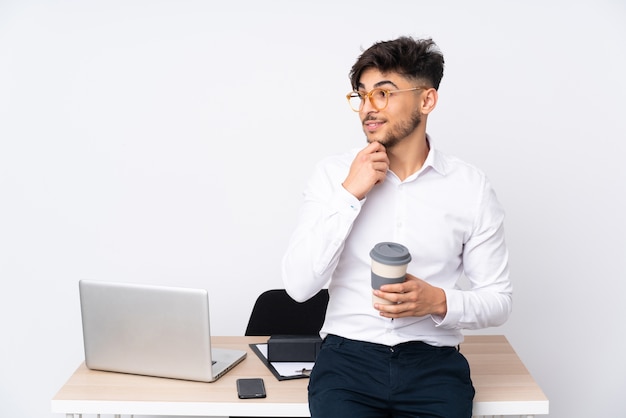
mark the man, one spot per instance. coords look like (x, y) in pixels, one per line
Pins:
(399, 359)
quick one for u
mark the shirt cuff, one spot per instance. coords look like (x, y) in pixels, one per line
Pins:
(454, 301)
(346, 203)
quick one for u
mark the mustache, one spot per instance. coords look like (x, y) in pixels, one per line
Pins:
(370, 117)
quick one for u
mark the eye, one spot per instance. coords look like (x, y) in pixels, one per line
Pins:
(380, 94)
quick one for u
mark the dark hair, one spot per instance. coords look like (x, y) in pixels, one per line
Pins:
(419, 59)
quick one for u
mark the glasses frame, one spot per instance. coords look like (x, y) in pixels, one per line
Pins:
(370, 96)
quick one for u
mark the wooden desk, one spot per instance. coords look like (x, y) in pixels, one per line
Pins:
(503, 387)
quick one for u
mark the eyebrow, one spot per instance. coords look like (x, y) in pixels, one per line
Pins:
(380, 84)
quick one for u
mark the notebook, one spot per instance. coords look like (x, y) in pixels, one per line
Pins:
(151, 330)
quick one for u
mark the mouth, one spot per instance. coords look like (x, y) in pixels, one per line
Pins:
(372, 125)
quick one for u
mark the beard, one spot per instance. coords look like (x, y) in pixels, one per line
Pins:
(399, 131)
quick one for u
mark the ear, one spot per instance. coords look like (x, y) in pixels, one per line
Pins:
(429, 100)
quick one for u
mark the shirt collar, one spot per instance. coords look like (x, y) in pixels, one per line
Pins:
(433, 160)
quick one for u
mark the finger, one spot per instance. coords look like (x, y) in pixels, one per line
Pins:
(393, 311)
(381, 169)
(379, 158)
(381, 154)
(393, 288)
(392, 297)
(376, 147)
(373, 148)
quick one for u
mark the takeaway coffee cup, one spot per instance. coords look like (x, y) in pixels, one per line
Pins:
(389, 263)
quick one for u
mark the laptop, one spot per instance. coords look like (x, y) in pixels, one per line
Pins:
(151, 330)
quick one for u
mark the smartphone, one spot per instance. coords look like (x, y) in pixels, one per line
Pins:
(250, 388)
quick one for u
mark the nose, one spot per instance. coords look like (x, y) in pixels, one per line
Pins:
(367, 107)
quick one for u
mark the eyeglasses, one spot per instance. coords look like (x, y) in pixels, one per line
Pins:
(379, 98)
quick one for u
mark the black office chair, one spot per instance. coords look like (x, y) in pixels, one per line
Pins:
(276, 313)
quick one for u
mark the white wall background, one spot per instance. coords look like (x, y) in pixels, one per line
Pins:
(167, 142)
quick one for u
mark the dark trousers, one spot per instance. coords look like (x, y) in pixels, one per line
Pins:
(365, 380)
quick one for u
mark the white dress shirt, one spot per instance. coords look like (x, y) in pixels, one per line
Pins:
(446, 214)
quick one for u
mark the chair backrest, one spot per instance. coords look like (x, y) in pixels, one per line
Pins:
(276, 313)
